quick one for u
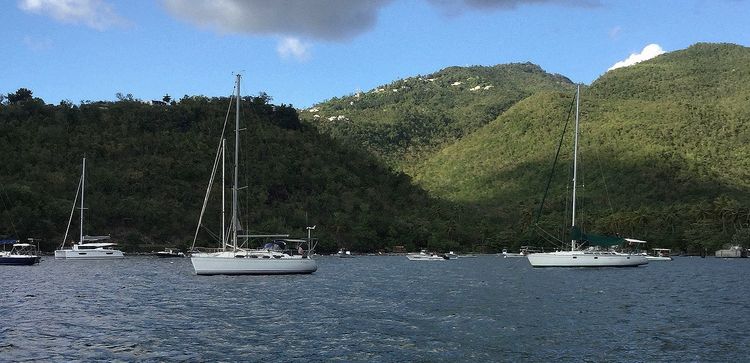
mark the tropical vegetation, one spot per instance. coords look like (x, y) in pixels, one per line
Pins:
(456, 160)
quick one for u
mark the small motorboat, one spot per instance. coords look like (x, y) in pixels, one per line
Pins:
(507, 254)
(168, 252)
(342, 253)
(21, 254)
(426, 256)
(659, 254)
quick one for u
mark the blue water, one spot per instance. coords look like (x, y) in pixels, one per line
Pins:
(377, 309)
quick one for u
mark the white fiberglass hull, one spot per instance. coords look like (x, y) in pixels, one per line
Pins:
(584, 259)
(420, 257)
(228, 264)
(102, 254)
(658, 258)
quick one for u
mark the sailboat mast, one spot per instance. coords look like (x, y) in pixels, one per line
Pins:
(575, 164)
(235, 221)
(83, 184)
(223, 198)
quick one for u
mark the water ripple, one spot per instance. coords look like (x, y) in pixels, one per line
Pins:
(376, 309)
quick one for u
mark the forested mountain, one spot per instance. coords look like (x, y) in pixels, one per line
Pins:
(459, 159)
(665, 145)
(407, 120)
(148, 167)
(664, 148)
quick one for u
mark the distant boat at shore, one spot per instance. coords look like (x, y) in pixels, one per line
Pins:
(342, 253)
(660, 254)
(426, 256)
(507, 254)
(732, 252)
(168, 252)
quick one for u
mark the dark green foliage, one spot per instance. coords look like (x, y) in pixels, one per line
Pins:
(664, 157)
(664, 144)
(22, 95)
(148, 167)
(664, 153)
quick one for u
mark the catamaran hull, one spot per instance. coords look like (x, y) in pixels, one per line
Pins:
(252, 266)
(563, 259)
(88, 254)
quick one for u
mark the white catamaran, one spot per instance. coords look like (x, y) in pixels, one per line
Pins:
(88, 247)
(576, 257)
(234, 258)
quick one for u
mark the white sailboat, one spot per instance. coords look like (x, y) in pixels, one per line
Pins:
(88, 247)
(236, 259)
(576, 257)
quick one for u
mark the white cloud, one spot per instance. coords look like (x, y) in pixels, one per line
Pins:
(321, 19)
(650, 51)
(96, 14)
(293, 48)
(615, 32)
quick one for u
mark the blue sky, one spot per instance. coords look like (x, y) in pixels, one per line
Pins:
(301, 52)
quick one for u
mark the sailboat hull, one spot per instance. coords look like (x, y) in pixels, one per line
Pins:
(220, 265)
(585, 259)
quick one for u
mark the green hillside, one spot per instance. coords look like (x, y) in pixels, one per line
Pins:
(148, 167)
(454, 160)
(407, 120)
(664, 151)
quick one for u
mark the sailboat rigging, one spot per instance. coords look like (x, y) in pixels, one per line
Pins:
(234, 258)
(576, 257)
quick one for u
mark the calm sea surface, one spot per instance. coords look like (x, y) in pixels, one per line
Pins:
(377, 309)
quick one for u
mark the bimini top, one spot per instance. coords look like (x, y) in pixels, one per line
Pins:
(275, 245)
(8, 241)
(280, 244)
